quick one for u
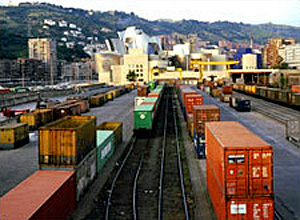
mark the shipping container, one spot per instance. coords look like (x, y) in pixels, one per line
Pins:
(44, 195)
(105, 148)
(227, 89)
(190, 124)
(116, 127)
(84, 105)
(98, 100)
(143, 117)
(215, 92)
(225, 98)
(32, 119)
(65, 142)
(86, 172)
(241, 162)
(14, 135)
(186, 92)
(109, 96)
(191, 100)
(203, 114)
(295, 88)
(46, 115)
(242, 207)
(138, 100)
(142, 90)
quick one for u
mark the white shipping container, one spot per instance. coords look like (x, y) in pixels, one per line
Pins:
(138, 100)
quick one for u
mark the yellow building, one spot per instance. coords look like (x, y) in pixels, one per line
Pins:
(138, 62)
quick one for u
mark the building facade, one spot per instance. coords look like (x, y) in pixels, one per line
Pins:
(44, 49)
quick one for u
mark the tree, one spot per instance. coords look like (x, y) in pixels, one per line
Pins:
(131, 76)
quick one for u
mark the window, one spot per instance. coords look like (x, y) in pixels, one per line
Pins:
(141, 75)
(137, 66)
(137, 70)
(141, 80)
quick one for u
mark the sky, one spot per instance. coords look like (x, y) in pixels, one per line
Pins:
(246, 11)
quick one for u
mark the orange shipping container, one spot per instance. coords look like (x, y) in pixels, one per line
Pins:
(191, 100)
(203, 114)
(242, 207)
(44, 195)
(241, 162)
(227, 89)
(190, 124)
(184, 93)
(296, 88)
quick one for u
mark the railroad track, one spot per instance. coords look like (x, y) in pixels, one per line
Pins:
(171, 173)
(272, 110)
(149, 181)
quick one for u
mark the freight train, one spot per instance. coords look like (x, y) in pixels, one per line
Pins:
(285, 97)
(146, 108)
(73, 151)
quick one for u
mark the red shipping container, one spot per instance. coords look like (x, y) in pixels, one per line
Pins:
(142, 90)
(296, 88)
(233, 207)
(203, 114)
(151, 94)
(184, 93)
(241, 161)
(191, 100)
(43, 195)
(227, 89)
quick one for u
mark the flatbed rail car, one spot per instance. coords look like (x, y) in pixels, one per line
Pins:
(281, 96)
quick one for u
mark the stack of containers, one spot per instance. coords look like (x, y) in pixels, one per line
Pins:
(184, 92)
(239, 172)
(201, 115)
(226, 93)
(69, 144)
(190, 101)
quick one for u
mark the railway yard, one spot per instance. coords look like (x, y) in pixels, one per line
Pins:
(155, 171)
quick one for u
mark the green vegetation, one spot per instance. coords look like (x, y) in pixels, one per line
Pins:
(17, 24)
(131, 76)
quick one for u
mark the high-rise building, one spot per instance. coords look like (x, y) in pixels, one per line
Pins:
(44, 49)
(271, 51)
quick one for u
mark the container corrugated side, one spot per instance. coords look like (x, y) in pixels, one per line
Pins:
(242, 162)
(86, 172)
(105, 148)
(65, 142)
(43, 195)
(242, 207)
(14, 135)
(116, 127)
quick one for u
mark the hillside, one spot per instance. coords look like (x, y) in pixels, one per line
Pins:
(17, 24)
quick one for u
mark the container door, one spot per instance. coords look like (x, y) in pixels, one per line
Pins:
(261, 172)
(236, 169)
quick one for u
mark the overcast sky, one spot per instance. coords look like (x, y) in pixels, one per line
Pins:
(247, 11)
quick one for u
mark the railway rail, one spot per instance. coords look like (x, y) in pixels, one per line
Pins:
(149, 181)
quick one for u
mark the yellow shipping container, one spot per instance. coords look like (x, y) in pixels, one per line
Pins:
(65, 142)
(109, 95)
(46, 115)
(14, 135)
(32, 119)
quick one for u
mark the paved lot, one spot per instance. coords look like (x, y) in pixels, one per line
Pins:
(286, 156)
(17, 164)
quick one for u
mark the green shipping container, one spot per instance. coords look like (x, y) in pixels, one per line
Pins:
(151, 99)
(143, 117)
(105, 147)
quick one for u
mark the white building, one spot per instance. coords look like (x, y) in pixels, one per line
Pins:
(249, 61)
(292, 55)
